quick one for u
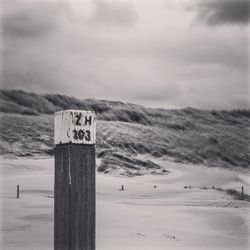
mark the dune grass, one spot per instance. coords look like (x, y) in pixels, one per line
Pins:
(212, 138)
(238, 195)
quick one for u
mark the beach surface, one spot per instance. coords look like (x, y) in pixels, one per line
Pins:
(152, 212)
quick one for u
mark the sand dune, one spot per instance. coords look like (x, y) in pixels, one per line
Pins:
(142, 216)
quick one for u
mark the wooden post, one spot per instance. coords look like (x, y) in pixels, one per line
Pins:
(242, 193)
(17, 191)
(74, 218)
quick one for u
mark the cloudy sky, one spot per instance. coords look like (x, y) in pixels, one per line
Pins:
(158, 53)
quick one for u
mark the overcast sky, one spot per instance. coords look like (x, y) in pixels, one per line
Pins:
(158, 53)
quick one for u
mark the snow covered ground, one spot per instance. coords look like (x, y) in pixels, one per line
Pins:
(142, 216)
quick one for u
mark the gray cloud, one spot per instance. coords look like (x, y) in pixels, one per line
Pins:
(32, 19)
(219, 12)
(114, 13)
(134, 51)
(221, 54)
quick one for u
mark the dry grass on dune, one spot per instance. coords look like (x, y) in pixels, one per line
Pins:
(213, 138)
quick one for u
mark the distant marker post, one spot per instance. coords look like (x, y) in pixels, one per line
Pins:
(242, 193)
(17, 192)
(74, 205)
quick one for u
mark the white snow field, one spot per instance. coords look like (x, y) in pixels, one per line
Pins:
(142, 216)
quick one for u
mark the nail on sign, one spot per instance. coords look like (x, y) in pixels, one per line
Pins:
(75, 126)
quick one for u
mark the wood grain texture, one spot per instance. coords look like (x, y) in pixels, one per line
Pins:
(68, 124)
(74, 197)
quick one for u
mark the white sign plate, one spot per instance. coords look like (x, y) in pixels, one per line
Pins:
(75, 126)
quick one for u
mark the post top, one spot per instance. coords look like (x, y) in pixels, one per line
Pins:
(75, 126)
(72, 110)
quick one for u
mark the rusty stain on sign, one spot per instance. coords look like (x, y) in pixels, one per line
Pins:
(75, 126)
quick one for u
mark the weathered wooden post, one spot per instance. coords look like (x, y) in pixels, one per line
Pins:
(17, 192)
(74, 207)
(242, 193)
